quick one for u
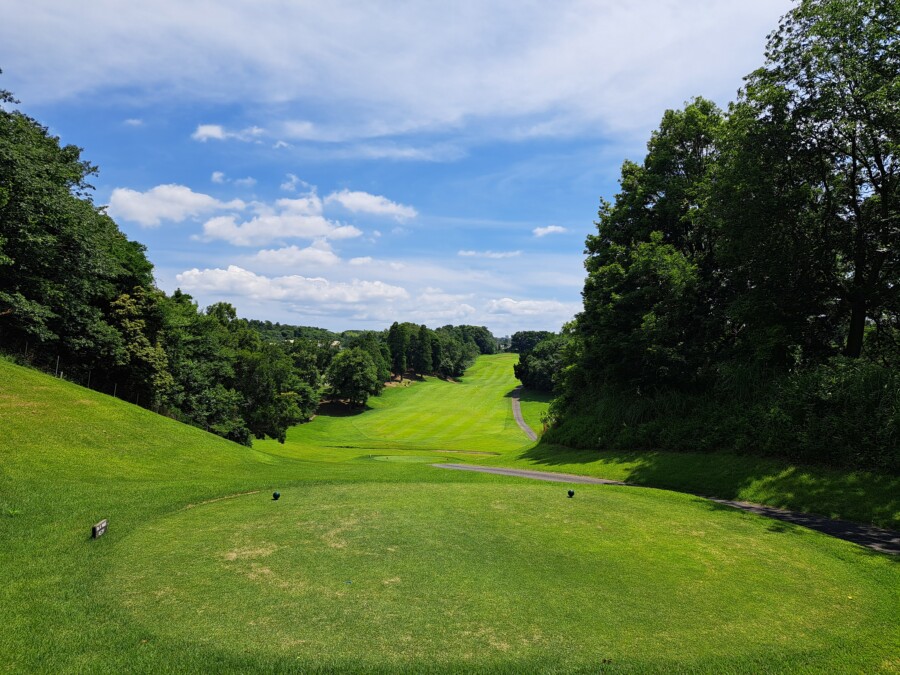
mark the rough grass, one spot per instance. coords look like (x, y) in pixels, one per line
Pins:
(202, 571)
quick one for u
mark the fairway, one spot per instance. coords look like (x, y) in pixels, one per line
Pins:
(373, 560)
(469, 416)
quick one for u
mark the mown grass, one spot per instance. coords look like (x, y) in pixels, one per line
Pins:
(447, 571)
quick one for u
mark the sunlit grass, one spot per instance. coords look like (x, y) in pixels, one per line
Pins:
(448, 571)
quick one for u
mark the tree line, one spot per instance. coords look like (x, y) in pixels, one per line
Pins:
(75, 290)
(743, 288)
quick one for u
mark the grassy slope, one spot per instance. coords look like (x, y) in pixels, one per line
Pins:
(859, 496)
(485, 573)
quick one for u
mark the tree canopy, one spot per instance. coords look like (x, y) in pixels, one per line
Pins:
(753, 250)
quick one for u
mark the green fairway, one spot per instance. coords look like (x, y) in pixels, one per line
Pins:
(373, 560)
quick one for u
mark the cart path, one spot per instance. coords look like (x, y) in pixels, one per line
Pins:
(875, 538)
(517, 413)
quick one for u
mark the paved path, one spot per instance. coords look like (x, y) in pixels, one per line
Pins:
(517, 413)
(884, 541)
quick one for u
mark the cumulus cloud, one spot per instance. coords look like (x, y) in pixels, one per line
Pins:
(318, 254)
(216, 132)
(217, 177)
(550, 229)
(299, 218)
(493, 255)
(134, 122)
(165, 202)
(264, 229)
(362, 260)
(236, 281)
(363, 202)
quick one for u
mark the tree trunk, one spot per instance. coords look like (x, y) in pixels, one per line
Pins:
(854, 345)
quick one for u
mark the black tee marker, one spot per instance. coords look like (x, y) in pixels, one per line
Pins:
(276, 495)
(571, 493)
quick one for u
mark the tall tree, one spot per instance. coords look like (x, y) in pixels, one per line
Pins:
(832, 77)
(422, 356)
(398, 342)
(650, 294)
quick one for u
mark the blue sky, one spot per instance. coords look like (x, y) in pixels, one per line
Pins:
(348, 164)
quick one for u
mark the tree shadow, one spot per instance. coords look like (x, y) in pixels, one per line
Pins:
(340, 409)
(855, 496)
(530, 395)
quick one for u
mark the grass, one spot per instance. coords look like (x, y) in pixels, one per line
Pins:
(373, 560)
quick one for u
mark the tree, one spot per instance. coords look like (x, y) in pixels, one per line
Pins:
(540, 366)
(143, 355)
(422, 363)
(62, 260)
(274, 398)
(369, 342)
(524, 341)
(650, 297)
(398, 342)
(831, 77)
(353, 376)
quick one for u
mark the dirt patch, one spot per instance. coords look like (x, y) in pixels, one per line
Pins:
(251, 553)
(333, 536)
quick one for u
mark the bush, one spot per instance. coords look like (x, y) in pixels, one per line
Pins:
(843, 413)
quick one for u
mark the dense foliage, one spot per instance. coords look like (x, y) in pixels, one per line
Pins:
(525, 340)
(743, 289)
(539, 365)
(78, 298)
(274, 332)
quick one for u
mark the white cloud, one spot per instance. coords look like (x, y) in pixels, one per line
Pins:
(532, 307)
(441, 152)
(292, 182)
(310, 204)
(165, 202)
(318, 254)
(549, 68)
(216, 132)
(363, 202)
(133, 122)
(236, 281)
(493, 255)
(274, 227)
(364, 260)
(550, 229)
(220, 178)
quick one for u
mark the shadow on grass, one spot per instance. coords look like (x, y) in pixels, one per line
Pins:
(340, 409)
(857, 496)
(530, 395)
